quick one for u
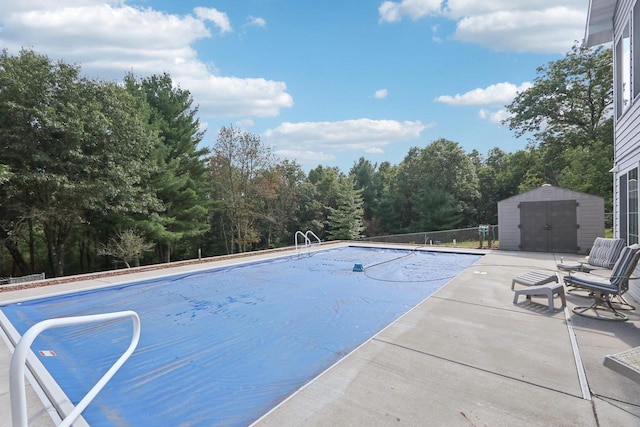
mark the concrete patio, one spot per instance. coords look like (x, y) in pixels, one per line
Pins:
(464, 357)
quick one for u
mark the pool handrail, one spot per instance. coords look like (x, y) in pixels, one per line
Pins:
(307, 242)
(21, 351)
(306, 235)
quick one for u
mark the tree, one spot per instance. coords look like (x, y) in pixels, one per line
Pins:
(319, 200)
(237, 170)
(179, 179)
(367, 179)
(76, 149)
(281, 203)
(386, 217)
(567, 113)
(311, 210)
(127, 246)
(441, 168)
(502, 175)
(345, 221)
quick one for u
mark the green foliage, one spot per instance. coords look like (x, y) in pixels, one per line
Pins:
(440, 175)
(369, 182)
(237, 176)
(570, 99)
(179, 177)
(568, 115)
(80, 159)
(280, 209)
(5, 174)
(500, 176)
(345, 221)
(77, 150)
(126, 246)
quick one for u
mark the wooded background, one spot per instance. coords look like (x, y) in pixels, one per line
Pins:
(96, 175)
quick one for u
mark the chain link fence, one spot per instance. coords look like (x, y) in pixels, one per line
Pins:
(455, 237)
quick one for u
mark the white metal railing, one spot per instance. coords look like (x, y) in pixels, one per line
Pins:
(307, 240)
(306, 235)
(19, 357)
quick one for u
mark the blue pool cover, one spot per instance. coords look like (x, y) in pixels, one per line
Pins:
(222, 347)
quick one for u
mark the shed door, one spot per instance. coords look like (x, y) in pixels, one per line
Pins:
(549, 226)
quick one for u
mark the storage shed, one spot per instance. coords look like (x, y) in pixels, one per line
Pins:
(550, 219)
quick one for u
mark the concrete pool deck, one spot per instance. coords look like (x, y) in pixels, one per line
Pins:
(464, 357)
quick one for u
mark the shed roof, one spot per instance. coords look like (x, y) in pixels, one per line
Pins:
(599, 27)
(546, 191)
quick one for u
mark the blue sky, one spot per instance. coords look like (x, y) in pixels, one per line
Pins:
(321, 82)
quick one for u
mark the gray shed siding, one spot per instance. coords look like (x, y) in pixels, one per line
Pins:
(626, 131)
(590, 215)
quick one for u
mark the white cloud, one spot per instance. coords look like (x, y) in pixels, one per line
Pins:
(305, 156)
(549, 26)
(219, 19)
(244, 123)
(496, 94)
(311, 142)
(254, 21)
(348, 135)
(109, 39)
(457, 9)
(548, 30)
(496, 117)
(381, 94)
(235, 97)
(394, 11)
(374, 150)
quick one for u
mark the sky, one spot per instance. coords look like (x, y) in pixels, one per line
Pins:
(321, 82)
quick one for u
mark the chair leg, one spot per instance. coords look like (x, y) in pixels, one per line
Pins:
(550, 301)
(601, 304)
(620, 303)
(623, 304)
(562, 298)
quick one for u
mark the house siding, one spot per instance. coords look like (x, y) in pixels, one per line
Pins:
(626, 131)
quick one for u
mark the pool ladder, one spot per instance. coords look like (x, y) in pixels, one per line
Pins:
(22, 349)
(307, 240)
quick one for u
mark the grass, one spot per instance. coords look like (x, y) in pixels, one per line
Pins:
(470, 244)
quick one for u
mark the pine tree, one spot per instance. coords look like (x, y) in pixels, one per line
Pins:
(346, 221)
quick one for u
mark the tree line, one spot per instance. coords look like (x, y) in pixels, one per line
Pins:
(97, 174)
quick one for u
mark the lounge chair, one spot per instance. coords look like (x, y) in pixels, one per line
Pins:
(604, 288)
(603, 256)
(601, 259)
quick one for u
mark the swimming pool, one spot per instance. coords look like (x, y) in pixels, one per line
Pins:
(224, 346)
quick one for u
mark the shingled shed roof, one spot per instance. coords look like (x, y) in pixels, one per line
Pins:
(549, 192)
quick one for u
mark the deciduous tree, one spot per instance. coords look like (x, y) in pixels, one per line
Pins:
(567, 113)
(237, 170)
(76, 149)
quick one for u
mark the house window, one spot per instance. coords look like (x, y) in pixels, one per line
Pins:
(632, 205)
(623, 67)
